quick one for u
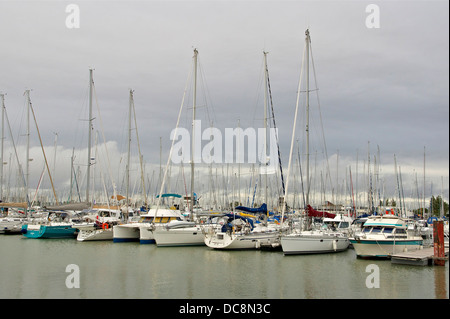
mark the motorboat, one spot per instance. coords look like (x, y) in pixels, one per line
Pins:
(384, 235)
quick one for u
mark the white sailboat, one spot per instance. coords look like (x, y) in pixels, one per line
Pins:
(100, 225)
(241, 232)
(186, 233)
(310, 241)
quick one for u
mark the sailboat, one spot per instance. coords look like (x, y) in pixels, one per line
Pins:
(242, 230)
(188, 232)
(310, 241)
(58, 223)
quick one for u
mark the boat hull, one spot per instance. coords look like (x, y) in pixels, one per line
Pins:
(95, 234)
(146, 235)
(188, 236)
(313, 244)
(126, 233)
(366, 248)
(230, 241)
(49, 231)
(10, 227)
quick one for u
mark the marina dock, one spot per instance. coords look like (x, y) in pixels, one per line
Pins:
(419, 257)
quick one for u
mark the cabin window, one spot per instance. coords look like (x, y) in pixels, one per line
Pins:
(366, 229)
(376, 229)
(164, 219)
(388, 230)
(400, 231)
(343, 225)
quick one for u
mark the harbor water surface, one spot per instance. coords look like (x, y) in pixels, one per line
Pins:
(39, 269)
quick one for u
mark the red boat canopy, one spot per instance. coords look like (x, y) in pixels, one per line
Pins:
(314, 213)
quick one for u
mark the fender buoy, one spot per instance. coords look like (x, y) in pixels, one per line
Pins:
(105, 225)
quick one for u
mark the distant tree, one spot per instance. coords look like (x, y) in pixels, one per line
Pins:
(436, 205)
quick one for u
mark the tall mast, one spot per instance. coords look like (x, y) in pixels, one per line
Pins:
(194, 103)
(307, 115)
(27, 165)
(3, 136)
(88, 175)
(129, 147)
(265, 126)
(423, 214)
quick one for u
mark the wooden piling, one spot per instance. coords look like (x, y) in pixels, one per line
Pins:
(438, 244)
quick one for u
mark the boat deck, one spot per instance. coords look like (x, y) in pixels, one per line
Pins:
(419, 257)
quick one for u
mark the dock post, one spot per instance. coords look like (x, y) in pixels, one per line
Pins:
(439, 250)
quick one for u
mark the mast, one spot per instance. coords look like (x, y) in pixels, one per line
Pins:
(194, 103)
(88, 174)
(308, 40)
(423, 213)
(3, 136)
(129, 149)
(27, 165)
(265, 126)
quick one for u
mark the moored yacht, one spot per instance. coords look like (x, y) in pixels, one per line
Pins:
(240, 232)
(156, 218)
(56, 225)
(384, 235)
(100, 225)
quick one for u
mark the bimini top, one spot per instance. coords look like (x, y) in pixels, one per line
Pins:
(169, 195)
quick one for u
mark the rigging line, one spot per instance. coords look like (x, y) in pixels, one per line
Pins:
(207, 96)
(293, 136)
(173, 140)
(38, 186)
(104, 141)
(301, 175)
(140, 154)
(258, 92)
(274, 124)
(320, 113)
(21, 173)
(45, 157)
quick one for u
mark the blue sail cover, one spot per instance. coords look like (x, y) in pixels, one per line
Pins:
(236, 216)
(262, 209)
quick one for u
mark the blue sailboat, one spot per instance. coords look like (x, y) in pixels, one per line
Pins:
(57, 225)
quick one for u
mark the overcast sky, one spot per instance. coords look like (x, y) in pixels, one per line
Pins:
(380, 88)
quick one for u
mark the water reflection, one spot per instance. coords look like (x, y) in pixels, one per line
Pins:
(36, 269)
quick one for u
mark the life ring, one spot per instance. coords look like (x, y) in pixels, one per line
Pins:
(105, 226)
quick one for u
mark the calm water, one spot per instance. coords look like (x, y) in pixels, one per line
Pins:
(36, 268)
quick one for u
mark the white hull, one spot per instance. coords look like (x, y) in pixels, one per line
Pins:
(383, 236)
(92, 234)
(11, 226)
(228, 240)
(187, 236)
(313, 243)
(146, 234)
(126, 232)
(384, 248)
